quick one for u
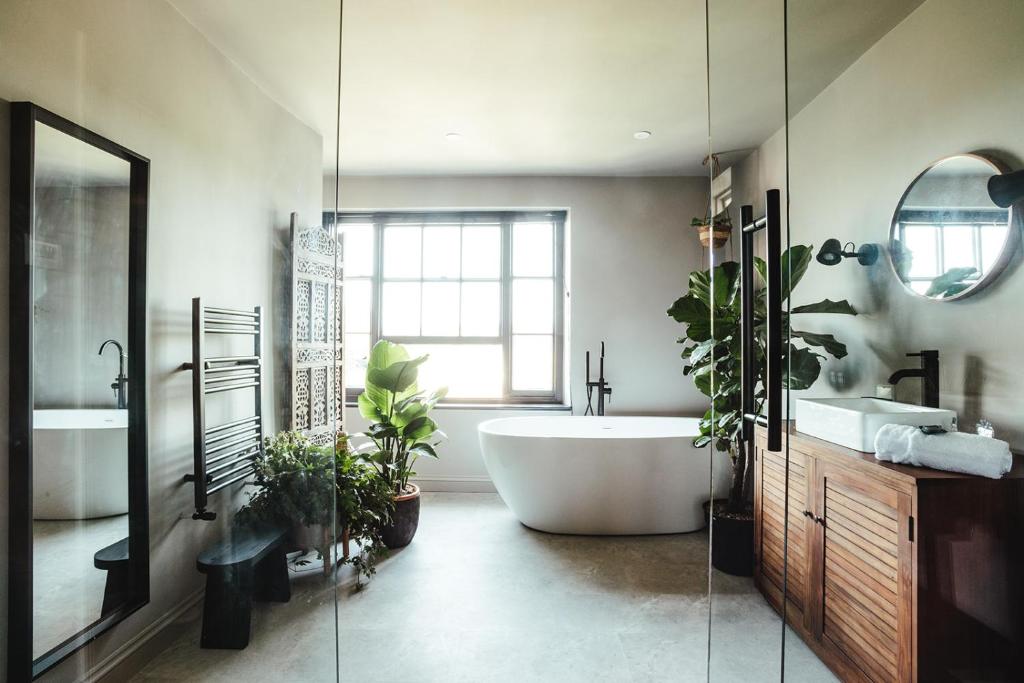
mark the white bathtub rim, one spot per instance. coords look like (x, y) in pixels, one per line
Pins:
(489, 427)
(74, 419)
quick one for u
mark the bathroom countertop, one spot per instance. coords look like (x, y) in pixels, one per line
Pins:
(843, 455)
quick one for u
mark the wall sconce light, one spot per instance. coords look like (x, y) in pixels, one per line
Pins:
(1006, 189)
(832, 253)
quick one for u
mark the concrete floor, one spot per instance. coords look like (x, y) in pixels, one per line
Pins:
(478, 597)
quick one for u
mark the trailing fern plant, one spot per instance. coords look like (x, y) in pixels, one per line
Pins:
(713, 356)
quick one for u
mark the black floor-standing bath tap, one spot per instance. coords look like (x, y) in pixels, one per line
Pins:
(929, 374)
(120, 385)
(603, 389)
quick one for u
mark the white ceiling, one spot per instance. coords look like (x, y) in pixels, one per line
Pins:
(539, 86)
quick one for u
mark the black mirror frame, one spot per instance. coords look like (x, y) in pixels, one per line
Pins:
(20, 663)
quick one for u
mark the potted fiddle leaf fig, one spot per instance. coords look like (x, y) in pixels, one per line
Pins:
(713, 358)
(400, 432)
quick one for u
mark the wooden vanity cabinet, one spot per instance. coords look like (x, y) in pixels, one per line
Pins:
(893, 573)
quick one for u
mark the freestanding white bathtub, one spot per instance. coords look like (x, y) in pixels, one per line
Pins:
(79, 463)
(601, 475)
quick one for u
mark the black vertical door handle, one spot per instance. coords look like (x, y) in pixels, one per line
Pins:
(773, 305)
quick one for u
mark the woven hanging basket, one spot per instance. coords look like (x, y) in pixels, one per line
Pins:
(715, 236)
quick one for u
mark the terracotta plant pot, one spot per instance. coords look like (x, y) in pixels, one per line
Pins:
(732, 540)
(716, 235)
(404, 520)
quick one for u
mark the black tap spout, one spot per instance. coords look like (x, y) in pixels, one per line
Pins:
(120, 384)
(929, 374)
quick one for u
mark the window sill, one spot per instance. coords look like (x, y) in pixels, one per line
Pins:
(552, 407)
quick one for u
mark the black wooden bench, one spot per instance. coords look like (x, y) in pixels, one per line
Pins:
(248, 565)
(114, 560)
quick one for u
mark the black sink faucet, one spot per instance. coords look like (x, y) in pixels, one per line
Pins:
(929, 374)
(601, 385)
(120, 385)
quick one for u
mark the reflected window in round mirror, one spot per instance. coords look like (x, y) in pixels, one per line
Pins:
(948, 239)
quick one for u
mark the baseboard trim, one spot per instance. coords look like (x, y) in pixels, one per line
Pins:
(121, 655)
(455, 483)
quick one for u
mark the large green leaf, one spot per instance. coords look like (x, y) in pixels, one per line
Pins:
(368, 409)
(951, 282)
(794, 264)
(700, 351)
(397, 377)
(826, 341)
(699, 330)
(725, 278)
(689, 309)
(383, 355)
(700, 286)
(420, 428)
(827, 306)
(803, 368)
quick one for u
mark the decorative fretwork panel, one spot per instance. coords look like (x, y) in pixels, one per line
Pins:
(317, 331)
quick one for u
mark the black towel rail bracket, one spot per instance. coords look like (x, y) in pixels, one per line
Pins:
(224, 454)
(771, 223)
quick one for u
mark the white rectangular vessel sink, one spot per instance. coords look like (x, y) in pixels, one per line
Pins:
(853, 422)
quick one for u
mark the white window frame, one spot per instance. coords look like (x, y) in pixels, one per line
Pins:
(506, 219)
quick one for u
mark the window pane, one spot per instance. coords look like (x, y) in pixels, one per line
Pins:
(441, 309)
(441, 257)
(532, 309)
(358, 256)
(357, 353)
(532, 249)
(358, 302)
(481, 309)
(400, 309)
(468, 370)
(992, 239)
(531, 363)
(402, 251)
(920, 242)
(481, 251)
(958, 246)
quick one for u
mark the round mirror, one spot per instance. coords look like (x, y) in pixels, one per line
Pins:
(948, 238)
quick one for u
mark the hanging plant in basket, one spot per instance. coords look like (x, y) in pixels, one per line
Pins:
(713, 231)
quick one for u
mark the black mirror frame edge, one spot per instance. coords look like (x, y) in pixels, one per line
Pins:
(20, 663)
(1013, 237)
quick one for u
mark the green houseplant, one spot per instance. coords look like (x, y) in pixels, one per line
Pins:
(317, 492)
(712, 355)
(400, 432)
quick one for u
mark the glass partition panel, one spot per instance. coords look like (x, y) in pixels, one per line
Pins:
(913, 219)
(749, 358)
(161, 156)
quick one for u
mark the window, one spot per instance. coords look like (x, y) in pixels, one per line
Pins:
(482, 293)
(938, 242)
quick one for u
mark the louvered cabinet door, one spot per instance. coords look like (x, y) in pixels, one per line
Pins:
(771, 536)
(863, 602)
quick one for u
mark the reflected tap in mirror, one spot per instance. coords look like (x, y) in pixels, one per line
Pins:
(120, 384)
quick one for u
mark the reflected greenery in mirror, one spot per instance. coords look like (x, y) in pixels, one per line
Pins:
(714, 359)
(948, 238)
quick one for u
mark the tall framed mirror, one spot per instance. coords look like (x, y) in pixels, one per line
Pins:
(79, 539)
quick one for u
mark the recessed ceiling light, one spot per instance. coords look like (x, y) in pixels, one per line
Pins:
(453, 136)
(642, 134)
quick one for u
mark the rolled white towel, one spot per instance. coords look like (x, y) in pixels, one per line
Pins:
(953, 452)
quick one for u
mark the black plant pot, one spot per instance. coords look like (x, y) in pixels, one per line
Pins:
(404, 520)
(732, 540)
